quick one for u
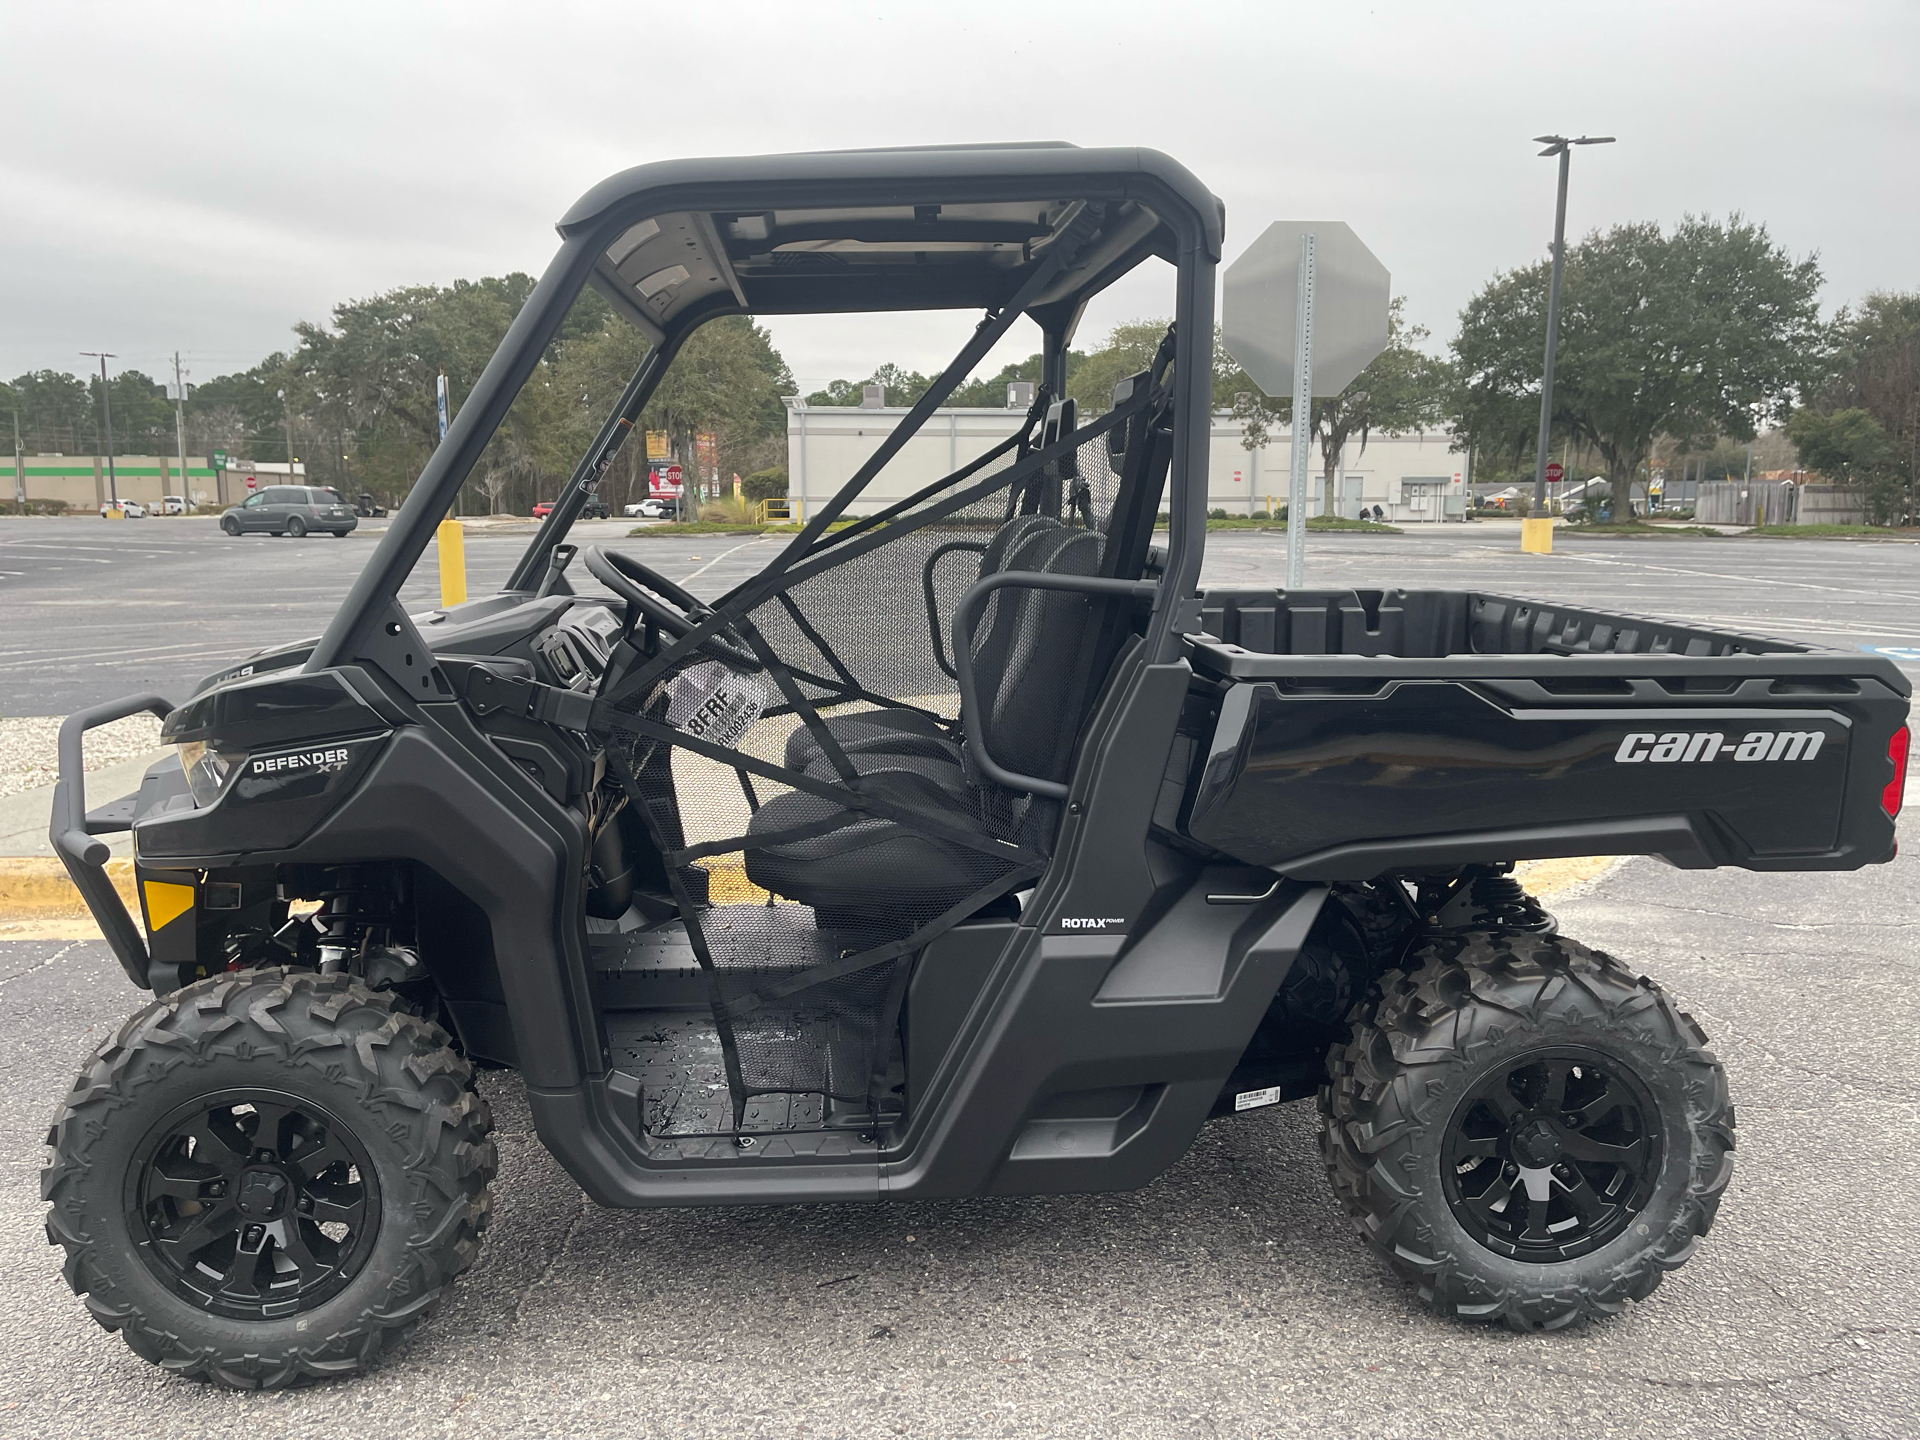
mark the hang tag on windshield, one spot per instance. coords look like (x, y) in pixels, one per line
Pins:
(714, 703)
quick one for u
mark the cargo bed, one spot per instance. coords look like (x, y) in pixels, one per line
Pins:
(1340, 734)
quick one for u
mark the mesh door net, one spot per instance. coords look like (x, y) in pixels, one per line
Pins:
(799, 760)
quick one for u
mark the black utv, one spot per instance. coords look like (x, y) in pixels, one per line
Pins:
(965, 847)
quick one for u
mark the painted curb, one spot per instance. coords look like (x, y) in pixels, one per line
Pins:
(37, 885)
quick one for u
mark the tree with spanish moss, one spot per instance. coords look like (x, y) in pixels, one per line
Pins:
(1708, 330)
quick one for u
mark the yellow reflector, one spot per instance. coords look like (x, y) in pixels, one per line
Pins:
(166, 903)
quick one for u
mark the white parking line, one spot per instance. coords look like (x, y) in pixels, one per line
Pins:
(721, 556)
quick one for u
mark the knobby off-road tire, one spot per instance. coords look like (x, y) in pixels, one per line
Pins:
(1460, 1035)
(328, 1046)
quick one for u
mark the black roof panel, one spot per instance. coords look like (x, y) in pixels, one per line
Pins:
(908, 229)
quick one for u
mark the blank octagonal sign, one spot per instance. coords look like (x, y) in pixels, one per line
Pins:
(1351, 294)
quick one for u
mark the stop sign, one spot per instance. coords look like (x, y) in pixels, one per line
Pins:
(1351, 294)
(664, 482)
(1554, 472)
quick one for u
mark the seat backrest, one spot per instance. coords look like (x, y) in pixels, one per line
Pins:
(1039, 656)
(1024, 651)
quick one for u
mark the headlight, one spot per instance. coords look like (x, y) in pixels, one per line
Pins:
(207, 770)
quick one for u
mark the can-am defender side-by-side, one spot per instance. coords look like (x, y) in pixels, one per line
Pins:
(967, 847)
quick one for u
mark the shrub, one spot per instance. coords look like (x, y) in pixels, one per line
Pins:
(768, 484)
(728, 510)
(35, 507)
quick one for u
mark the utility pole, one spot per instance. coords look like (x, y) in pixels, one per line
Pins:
(286, 414)
(106, 409)
(1560, 146)
(19, 466)
(180, 433)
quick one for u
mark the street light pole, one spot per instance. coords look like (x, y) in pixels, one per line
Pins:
(286, 415)
(180, 435)
(1562, 147)
(106, 409)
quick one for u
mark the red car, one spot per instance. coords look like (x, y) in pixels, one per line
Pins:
(595, 510)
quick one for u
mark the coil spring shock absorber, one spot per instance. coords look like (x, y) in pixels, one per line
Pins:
(1501, 903)
(355, 906)
(1485, 898)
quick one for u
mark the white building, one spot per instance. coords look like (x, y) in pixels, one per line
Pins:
(1411, 478)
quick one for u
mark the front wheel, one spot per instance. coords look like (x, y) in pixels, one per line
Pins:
(297, 528)
(231, 525)
(1525, 1130)
(269, 1176)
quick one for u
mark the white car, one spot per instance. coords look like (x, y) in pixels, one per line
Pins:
(173, 504)
(649, 509)
(130, 508)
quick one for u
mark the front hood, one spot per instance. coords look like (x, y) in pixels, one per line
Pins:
(277, 657)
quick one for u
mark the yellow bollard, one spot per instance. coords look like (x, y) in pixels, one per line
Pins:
(451, 539)
(1536, 536)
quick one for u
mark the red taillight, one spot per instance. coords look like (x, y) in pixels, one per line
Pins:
(1896, 790)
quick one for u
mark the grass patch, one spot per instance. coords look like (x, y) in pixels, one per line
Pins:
(718, 527)
(1833, 532)
(1316, 523)
(1637, 529)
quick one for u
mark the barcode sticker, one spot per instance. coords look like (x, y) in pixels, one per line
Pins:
(1254, 1099)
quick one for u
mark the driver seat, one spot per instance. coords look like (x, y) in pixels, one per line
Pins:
(914, 732)
(1024, 660)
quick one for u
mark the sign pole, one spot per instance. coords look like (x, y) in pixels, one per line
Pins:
(1302, 419)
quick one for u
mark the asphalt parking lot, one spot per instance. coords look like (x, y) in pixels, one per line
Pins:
(95, 609)
(1228, 1298)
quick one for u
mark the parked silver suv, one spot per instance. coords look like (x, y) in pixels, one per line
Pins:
(290, 510)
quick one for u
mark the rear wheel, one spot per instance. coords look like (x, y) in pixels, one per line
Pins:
(1525, 1130)
(230, 524)
(269, 1176)
(297, 528)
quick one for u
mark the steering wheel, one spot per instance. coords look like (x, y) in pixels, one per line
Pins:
(669, 607)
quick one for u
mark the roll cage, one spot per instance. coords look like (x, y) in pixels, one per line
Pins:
(1011, 230)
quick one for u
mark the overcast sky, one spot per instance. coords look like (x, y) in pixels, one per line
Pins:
(200, 176)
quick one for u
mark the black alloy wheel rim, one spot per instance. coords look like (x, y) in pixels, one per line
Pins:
(1552, 1154)
(253, 1205)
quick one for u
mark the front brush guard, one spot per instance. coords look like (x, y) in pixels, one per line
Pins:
(73, 830)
